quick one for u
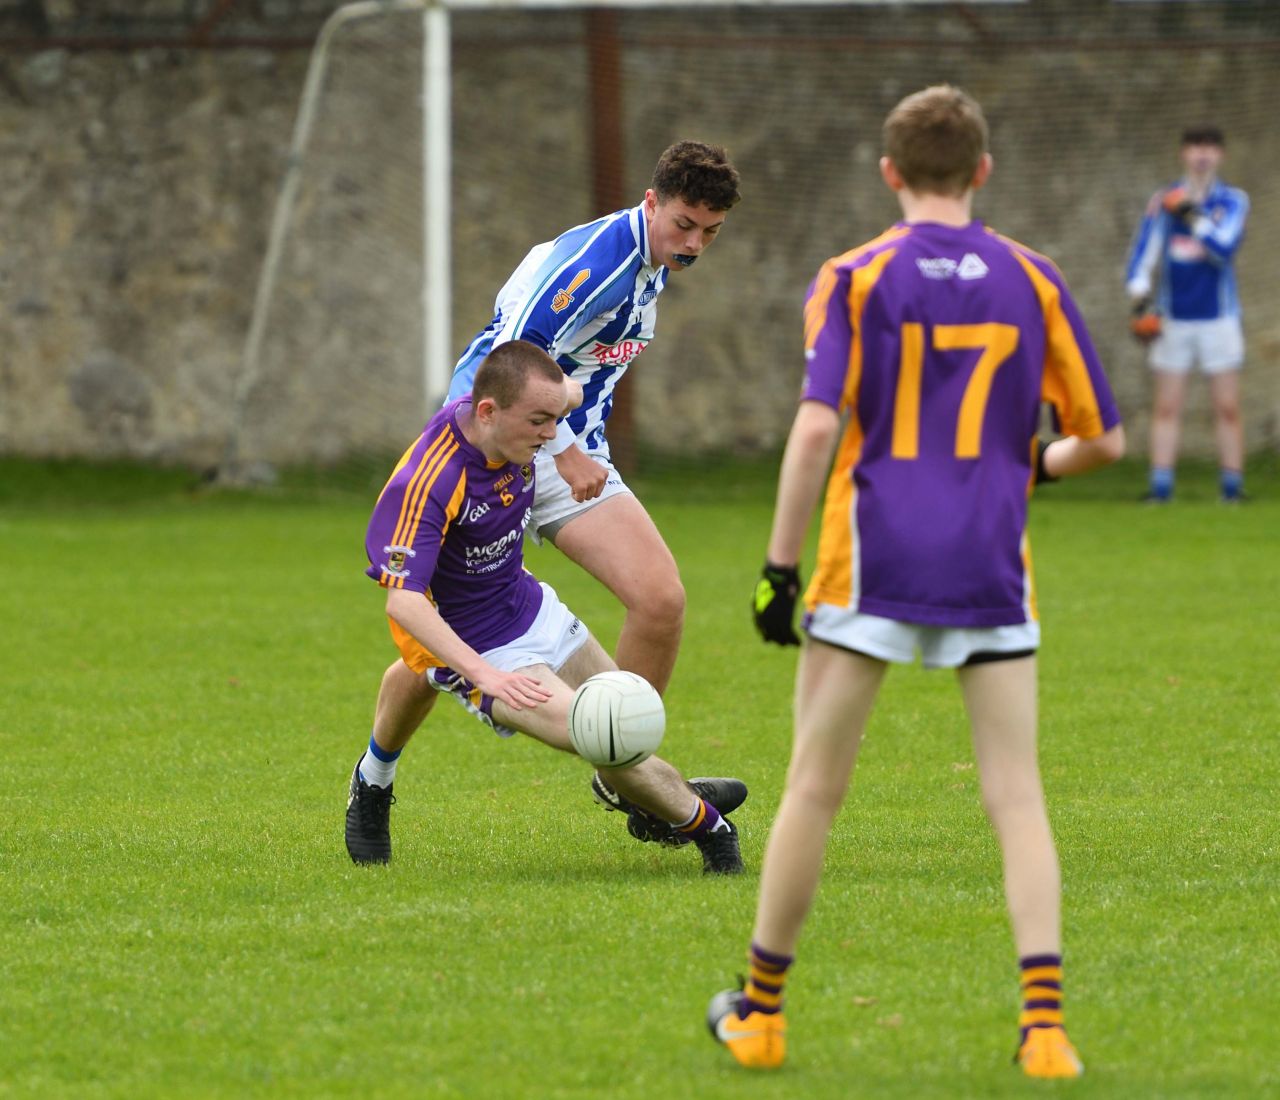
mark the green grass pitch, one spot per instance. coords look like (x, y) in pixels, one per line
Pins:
(188, 678)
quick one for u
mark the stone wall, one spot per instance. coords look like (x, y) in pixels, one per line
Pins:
(136, 191)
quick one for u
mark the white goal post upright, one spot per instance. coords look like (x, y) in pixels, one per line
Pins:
(436, 285)
(438, 352)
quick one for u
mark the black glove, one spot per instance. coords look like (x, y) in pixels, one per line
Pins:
(1042, 475)
(774, 605)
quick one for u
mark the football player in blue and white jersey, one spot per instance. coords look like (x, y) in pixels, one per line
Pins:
(1183, 288)
(589, 299)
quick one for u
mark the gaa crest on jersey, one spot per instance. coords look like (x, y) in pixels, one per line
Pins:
(564, 296)
(397, 557)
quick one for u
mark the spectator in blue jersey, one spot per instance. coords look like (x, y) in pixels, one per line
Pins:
(927, 353)
(1182, 284)
(590, 299)
(446, 543)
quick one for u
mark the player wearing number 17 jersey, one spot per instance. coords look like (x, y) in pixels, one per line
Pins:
(940, 342)
(935, 345)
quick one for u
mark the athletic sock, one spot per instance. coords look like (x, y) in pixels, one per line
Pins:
(1041, 993)
(704, 819)
(1162, 482)
(377, 766)
(763, 991)
(1232, 483)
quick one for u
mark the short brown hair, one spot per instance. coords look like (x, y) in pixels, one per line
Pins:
(506, 369)
(698, 174)
(936, 139)
(1203, 135)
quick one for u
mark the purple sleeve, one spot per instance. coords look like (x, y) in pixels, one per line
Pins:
(409, 521)
(827, 336)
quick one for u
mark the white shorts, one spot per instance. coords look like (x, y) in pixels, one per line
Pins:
(1215, 346)
(939, 646)
(553, 637)
(553, 503)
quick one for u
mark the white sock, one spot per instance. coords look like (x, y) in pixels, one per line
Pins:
(377, 773)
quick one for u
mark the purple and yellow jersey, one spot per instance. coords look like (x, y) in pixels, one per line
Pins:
(939, 343)
(450, 524)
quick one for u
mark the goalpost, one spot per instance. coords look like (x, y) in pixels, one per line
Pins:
(436, 283)
(436, 141)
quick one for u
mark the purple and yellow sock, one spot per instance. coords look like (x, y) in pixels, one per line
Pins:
(763, 991)
(704, 819)
(1041, 993)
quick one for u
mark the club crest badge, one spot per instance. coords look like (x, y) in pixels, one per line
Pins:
(397, 557)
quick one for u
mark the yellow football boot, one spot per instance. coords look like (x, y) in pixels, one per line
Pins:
(758, 1042)
(1047, 1052)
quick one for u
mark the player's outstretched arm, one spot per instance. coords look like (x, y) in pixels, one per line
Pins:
(418, 615)
(1072, 455)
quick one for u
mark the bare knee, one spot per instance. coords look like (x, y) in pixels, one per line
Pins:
(820, 794)
(1013, 803)
(1227, 413)
(661, 604)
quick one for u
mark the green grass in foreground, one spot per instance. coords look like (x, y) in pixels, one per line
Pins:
(188, 677)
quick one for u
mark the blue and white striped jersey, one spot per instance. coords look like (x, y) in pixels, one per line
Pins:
(1190, 265)
(590, 299)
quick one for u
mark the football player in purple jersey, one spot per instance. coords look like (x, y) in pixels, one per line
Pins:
(928, 353)
(589, 298)
(446, 542)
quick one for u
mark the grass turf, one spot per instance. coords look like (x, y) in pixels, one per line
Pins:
(188, 678)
